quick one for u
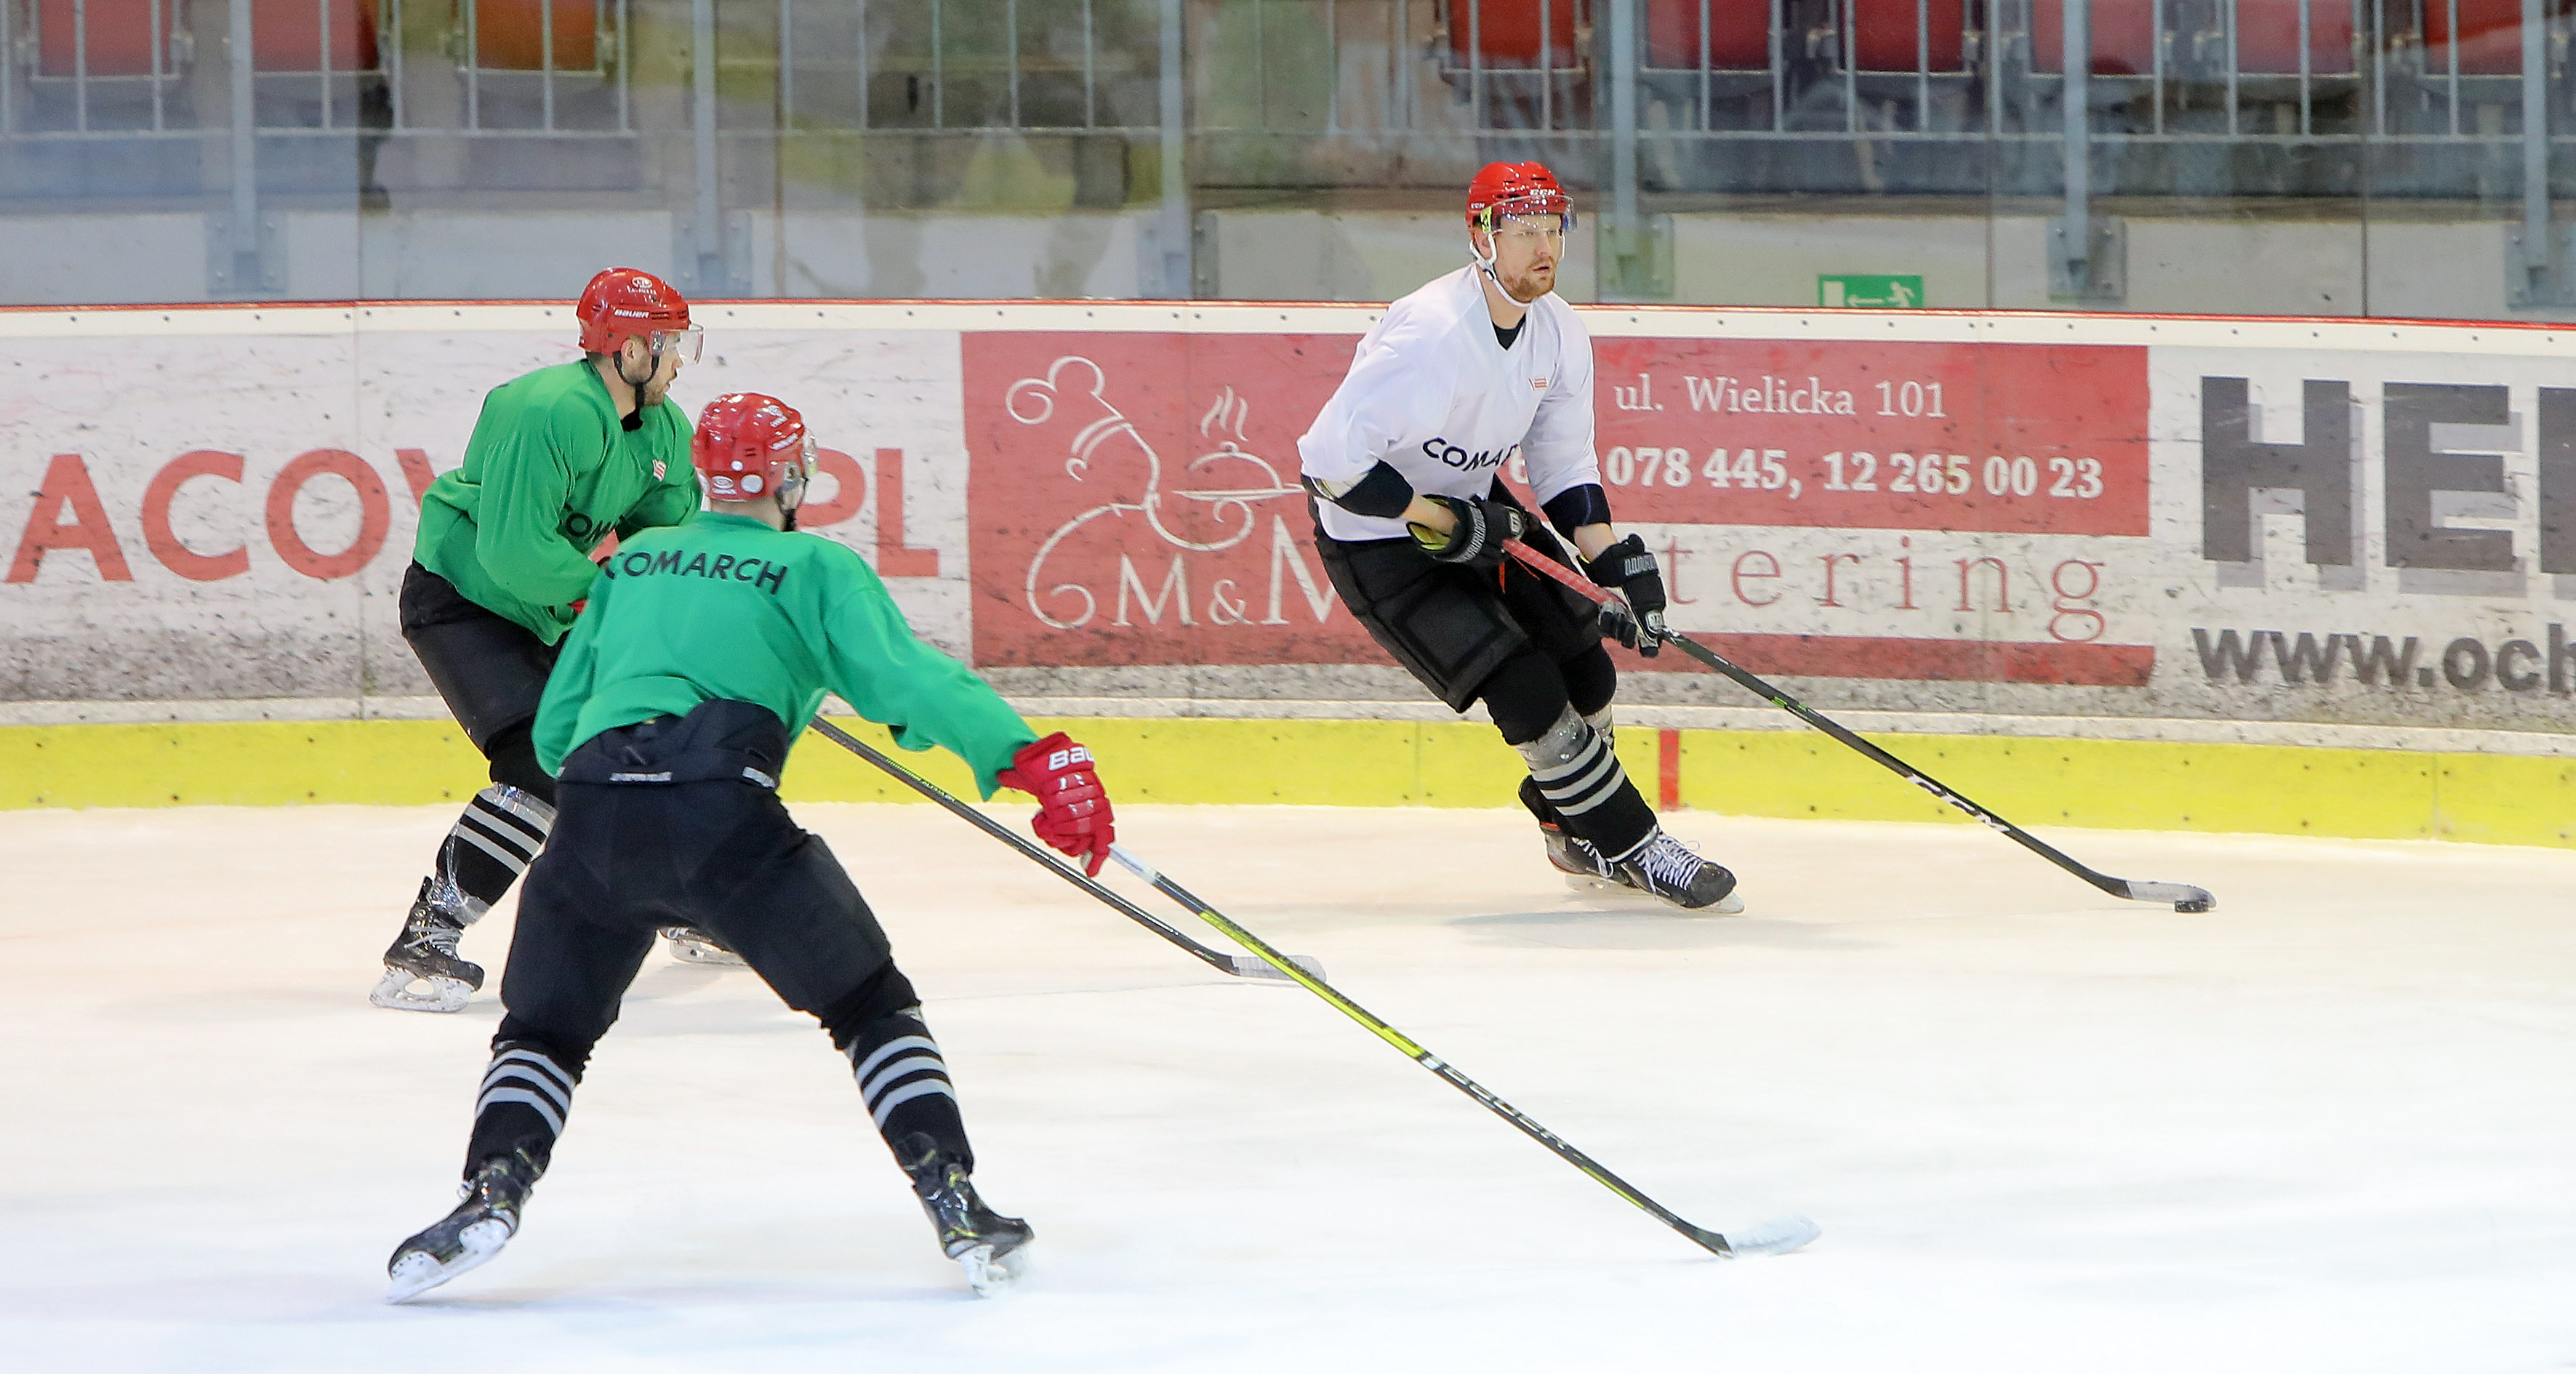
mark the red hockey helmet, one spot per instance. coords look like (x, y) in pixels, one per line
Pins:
(750, 445)
(1515, 188)
(628, 303)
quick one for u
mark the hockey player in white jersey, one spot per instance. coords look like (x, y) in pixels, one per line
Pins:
(1411, 516)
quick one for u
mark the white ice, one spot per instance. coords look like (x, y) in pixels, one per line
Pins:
(2328, 1127)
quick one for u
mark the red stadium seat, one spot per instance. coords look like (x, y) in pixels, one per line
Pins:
(1884, 39)
(2490, 37)
(2267, 37)
(1739, 37)
(120, 38)
(286, 35)
(509, 35)
(2124, 36)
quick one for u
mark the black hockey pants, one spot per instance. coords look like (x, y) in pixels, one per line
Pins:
(490, 670)
(717, 851)
(1521, 643)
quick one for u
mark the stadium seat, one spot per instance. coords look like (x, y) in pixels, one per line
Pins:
(509, 35)
(2490, 36)
(1505, 33)
(2267, 37)
(1884, 39)
(120, 38)
(1739, 37)
(2124, 36)
(286, 35)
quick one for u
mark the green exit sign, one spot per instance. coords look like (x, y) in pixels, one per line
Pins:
(1850, 292)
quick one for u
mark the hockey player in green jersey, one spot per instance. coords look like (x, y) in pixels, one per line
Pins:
(704, 651)
(560, 459)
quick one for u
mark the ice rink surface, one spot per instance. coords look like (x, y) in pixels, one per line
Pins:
(2330, 1126)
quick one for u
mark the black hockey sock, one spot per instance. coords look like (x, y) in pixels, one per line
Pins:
(1579, 776)
(490, 845)
(1540, 808)
(905, 1085)
(526, 1095)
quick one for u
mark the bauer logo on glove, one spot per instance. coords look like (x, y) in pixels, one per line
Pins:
(1073, 809)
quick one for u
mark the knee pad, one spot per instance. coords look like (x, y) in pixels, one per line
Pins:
(514, 764)
(881, 994)
(1525, 696)
(1591, 680)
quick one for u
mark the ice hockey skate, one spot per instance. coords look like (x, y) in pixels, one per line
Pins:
(481, 1224)
(992, 1247)
(1584, 867)
(1664, 867)
(422, 970)
(693, 946)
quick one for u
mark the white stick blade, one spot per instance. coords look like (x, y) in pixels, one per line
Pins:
(1778, 1236)
(1245, 966)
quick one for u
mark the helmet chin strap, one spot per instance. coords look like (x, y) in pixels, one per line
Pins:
(1485, 264)
(634, 419)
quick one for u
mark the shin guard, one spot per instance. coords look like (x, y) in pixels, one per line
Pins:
(905, 1084)
(491, 844)
(1579, 775)
(526, 1097)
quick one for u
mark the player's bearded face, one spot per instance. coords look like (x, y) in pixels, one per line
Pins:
(663, 376)
(1526, 251)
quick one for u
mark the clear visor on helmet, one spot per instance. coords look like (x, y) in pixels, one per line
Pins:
(1534, 225)
(684, 344)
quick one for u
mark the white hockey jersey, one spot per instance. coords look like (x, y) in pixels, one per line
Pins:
(1433, 394)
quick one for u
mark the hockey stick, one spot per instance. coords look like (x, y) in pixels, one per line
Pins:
(2183, 896)
(1235, 964)
(1777, 1236)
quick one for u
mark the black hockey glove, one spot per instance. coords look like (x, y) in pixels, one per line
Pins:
(1484, 526)
(1627, 567)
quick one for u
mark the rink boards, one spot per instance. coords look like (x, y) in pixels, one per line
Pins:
(2125, 784)
(2311, 542)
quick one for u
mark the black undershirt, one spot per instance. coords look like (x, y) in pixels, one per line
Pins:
(1508, 337)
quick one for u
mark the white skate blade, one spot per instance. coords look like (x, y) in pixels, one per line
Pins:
(419, 1271)
(403, 990)
(989, 1274)
(692, 951)
(1778, 1236)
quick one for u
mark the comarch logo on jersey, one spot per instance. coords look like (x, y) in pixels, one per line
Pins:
(1442, 451)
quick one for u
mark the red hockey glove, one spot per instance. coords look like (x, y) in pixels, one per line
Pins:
(1073, 814)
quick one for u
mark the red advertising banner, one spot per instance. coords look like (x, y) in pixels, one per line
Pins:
(2029, 438)
(1133, 499)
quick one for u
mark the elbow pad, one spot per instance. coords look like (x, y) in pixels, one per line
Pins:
(1577, 507)
(1382, 493)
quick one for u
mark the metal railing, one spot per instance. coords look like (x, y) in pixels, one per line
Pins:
(2071, 99)
(334, 66)
(1730, 69)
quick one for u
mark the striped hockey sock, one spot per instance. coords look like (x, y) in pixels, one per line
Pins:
(905, 1085)
(527, 1094)
(1579, 775)
(490, 845)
